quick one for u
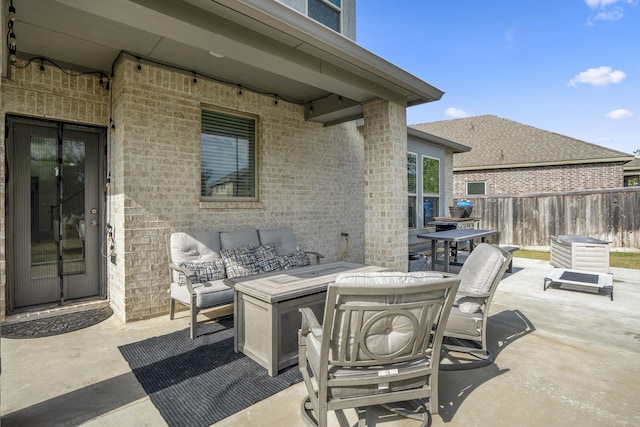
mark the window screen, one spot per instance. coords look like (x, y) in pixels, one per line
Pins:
(324, 13)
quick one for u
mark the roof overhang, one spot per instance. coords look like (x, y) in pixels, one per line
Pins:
(260, 45)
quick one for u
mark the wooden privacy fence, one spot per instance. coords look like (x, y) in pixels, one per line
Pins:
(528, 220)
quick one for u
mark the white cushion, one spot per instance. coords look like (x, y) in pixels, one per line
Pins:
(208, 294)
(387, 277)
(477, 275)
(194, 246)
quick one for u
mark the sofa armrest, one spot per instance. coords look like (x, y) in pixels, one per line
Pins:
(318, 255)
(187, 274)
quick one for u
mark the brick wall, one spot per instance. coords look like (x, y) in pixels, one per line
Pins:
(385, 177)
(542, 179)
(310, 178)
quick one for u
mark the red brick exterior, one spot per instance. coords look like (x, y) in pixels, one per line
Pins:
(544, 179)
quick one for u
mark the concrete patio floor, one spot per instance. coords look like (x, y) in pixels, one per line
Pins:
(561, 357)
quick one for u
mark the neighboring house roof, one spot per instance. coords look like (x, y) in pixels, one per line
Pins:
(424, 136)
(498, 143)
(632, 168)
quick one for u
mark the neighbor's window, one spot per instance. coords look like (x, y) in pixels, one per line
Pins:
(476, 188)
(326, 12)
(228, 156)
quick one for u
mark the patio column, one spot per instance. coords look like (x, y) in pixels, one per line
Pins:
(385, 185)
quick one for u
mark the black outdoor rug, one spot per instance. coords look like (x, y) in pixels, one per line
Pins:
(202, 381)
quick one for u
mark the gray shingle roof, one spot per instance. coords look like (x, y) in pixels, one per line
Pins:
(633, 165)
(500, 143)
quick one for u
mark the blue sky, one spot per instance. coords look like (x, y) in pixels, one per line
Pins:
(566, 66)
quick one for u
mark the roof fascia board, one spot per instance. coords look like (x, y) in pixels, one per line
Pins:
(454, 146)
(530, 165)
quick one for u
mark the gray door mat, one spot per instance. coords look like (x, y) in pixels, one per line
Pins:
(56, 325)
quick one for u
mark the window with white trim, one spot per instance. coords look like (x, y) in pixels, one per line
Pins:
(476, 188)
(423, 181)
(430, 188)
(228, 168)
(412, 176)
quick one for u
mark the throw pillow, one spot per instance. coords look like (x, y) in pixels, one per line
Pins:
(267, 258)
(203, 271)
(295, 259)
(239, 262)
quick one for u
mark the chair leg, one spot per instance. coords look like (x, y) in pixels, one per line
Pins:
(362, 417)
(433, 399)
(172, 308)
(194, 317)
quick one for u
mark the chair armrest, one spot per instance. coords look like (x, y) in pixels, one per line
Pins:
(187, 274)
(309, 323)
(316, 254)
(473, 294)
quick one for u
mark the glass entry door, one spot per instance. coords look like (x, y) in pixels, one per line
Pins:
(55, 211)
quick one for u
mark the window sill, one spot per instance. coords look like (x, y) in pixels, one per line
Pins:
(230, 205)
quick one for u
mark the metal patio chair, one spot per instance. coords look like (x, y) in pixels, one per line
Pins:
(465, 334)
(379, 343)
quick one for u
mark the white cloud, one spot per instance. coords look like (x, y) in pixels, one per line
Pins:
(607, 14)
(601, 76)
(455, 112)
(600, 4)
(618, 114)
(614, 15)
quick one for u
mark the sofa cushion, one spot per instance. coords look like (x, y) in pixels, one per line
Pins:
(236, 239)
(203, 271)
(194, 246)
(282, 237)
(208, 294)
(296, 259)
(460, 322)
(267, 258)
(387, 277)
(240, 262)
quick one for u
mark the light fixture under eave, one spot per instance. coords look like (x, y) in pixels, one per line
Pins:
(216, 55)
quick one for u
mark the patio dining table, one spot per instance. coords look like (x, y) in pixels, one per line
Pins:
(454, 236)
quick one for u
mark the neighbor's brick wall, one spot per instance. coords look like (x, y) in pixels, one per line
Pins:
(310, 178)
(48, 94)
(542, 179)
(448, 181)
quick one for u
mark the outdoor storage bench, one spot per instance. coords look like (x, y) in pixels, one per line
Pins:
(199, 262)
